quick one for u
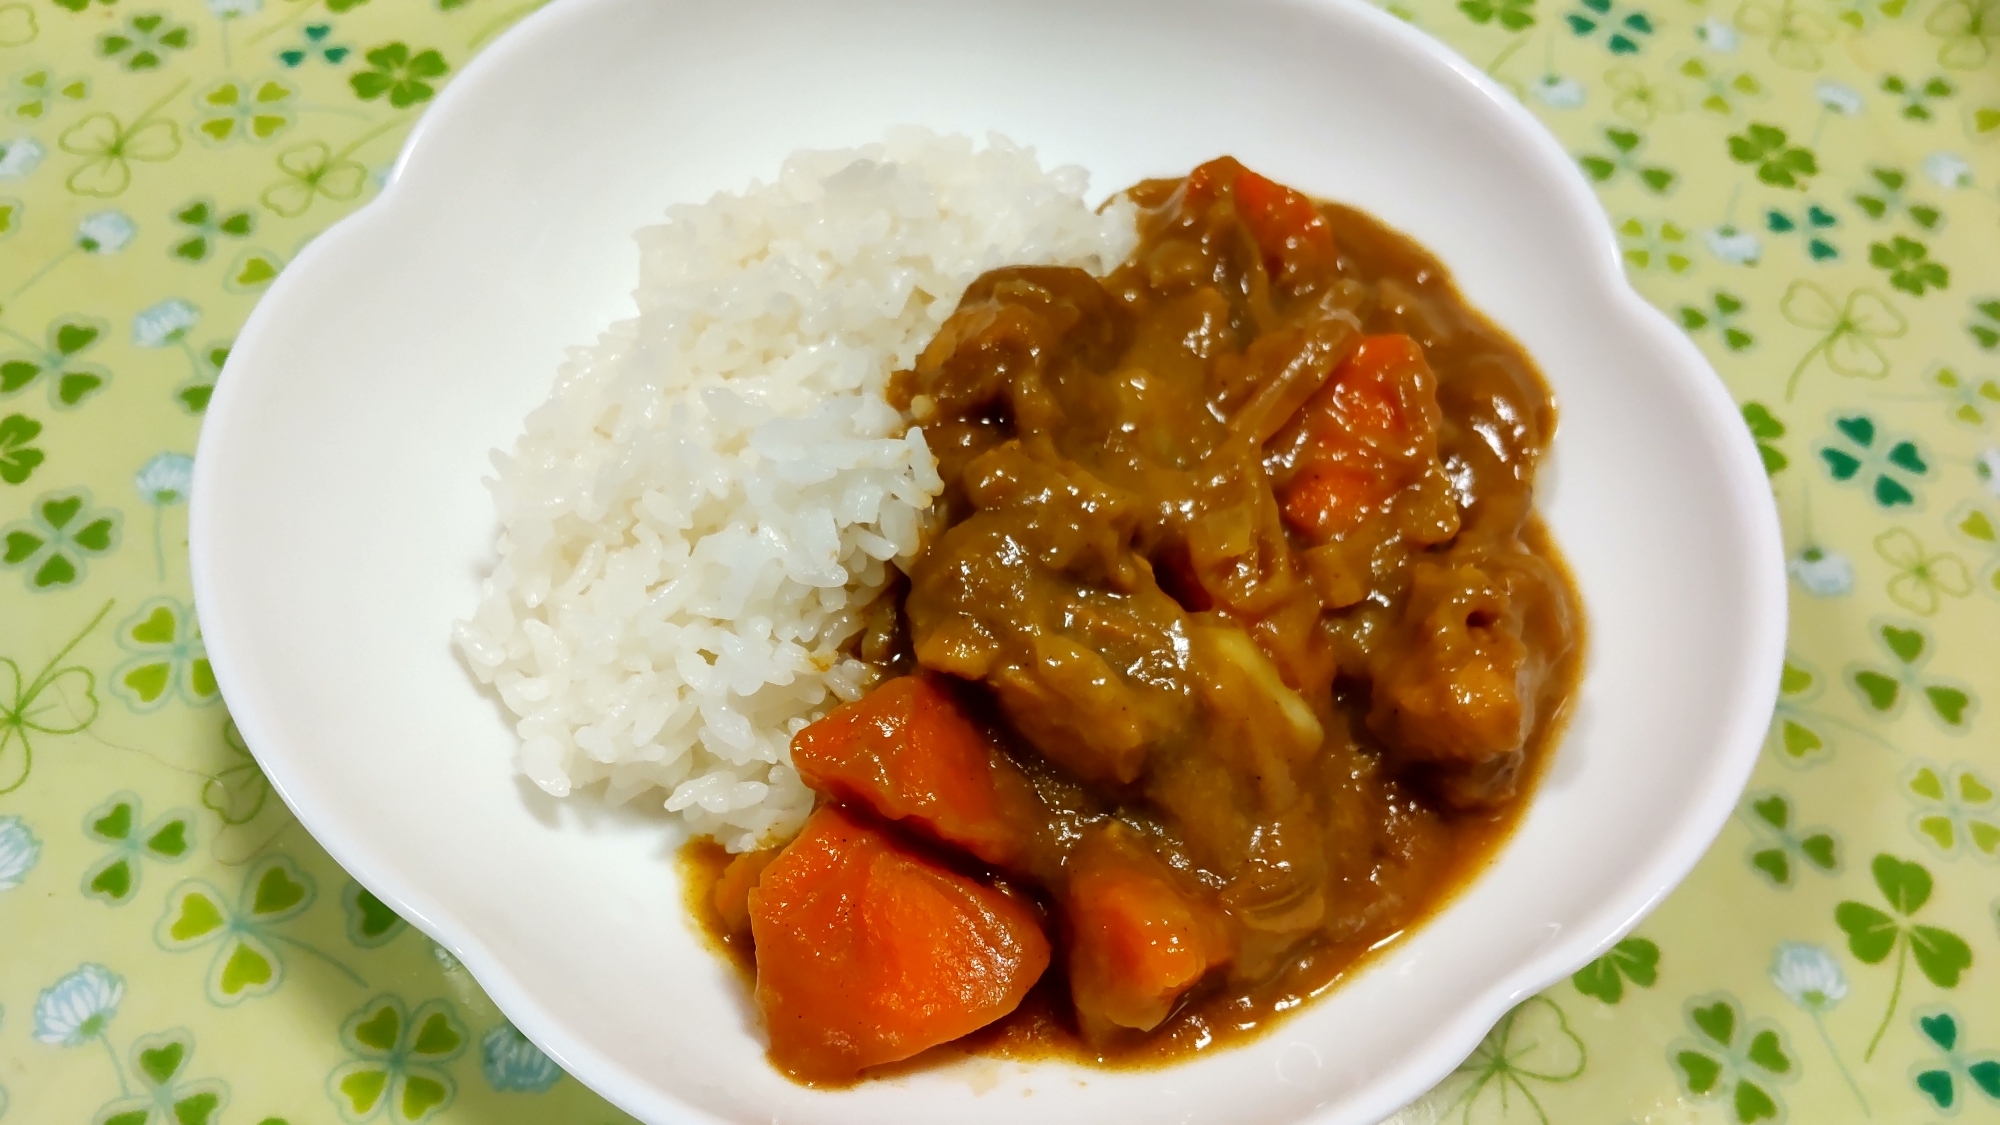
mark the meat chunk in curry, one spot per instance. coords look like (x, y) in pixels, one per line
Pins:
(1229, 652)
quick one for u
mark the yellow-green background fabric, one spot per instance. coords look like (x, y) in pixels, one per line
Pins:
(1807, 186)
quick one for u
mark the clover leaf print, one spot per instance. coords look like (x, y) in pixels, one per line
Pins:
(1624, 146)
(1985, 324)
(398, 1066)
(33, 93)
(1801, 734)
(1514, 15)
(238, 791)
(1922, 579)
(1766, 148)
(1980, 528)
(1624, 30)
(109, 147)
(403, 75)
(59, 699)
(1781, 848)
(1872, 934)
(1956, 812)
(1810, 977)
(1917, 96)
(311, 171)
(114, 878)
(1765, 429)
(1968, 401)
(1531, 1046)
(1884, 200)
(194, 394)
(1723, 310)
(206, 225)
(1857, 452)
(314, 42)
(252, 271)
(1638, 99)
(1635, 959)
(1952, 1075)
(1970, 30)
(167, 658)
(254, 111)
(53, 546)
(1726, 1057)
(1796, 34)
(1885, 688)
(166, 1097)
(246, 962)
(1909, 266)
(1810, 225)
(1722, 91)
(145, 42)
(1647, 246)
(370, 921)
(58, 361)
(18, 459)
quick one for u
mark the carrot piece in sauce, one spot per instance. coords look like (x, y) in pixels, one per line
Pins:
(1352, 442)
(1287, 226)
(906, 751)
(1137, 941)
(868, 952)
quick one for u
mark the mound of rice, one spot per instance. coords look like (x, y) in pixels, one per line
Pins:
(692, 524)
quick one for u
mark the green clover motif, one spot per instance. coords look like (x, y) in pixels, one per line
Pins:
(246, 961)
(53, 546)
(404, 76)
(167, 658)
(1909, 265)
(1917, 96)
(24, 712)
(1796, 34)
(18, 459)
(1800, 734)
(1886, 200)
(1637, 98)
(1635, 959)
(313, 170)
(71, 380)
(10, 215)
(194, 394)
(1514, 15)
(1624, 151)
(252, 271)
(1921, 577)
(314, 43)
(1531, 1045)
(1968, 28)
(1764, 426)
(114, 878)
(110, 146)
(147, 41)
(370, 921)
(1968, 401)
(1939, 1079)
(234, 109)
(1850, 332)
(1861, 14)
(1956, 809)
(1857, 451)
(1872, 935)
(1779, 845)
(398, 1068)
(159, 1061)
(1808, 226)
(1723, 309)
(238, 791)
(206, 225)
(1647, 245)
(17, 25)
(1980, 528)
(1985, 325)
(1624, 29)
(1721, 89)
(1777, 162)
(33, 93)
(1726, 1057)
(1885, 690)
(80, 5)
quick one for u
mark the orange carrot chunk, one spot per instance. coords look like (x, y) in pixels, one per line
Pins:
(868, 952)
(1287, 226)
(908, 752)
(1137, 940)
(1355, 441)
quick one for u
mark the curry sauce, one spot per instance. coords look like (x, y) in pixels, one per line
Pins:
(1233, 651)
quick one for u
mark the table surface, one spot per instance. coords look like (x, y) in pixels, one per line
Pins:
(1807, 186)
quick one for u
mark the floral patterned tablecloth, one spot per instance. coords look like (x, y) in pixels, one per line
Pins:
(1807, 186)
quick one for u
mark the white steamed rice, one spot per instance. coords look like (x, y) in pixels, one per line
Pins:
(693, 522)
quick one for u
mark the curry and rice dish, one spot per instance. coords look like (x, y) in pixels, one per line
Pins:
(1066, 631)
(1230, 650)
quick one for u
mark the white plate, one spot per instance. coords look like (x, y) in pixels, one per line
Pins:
(339, 524)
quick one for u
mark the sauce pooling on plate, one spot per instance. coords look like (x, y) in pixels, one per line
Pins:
(1231, 653)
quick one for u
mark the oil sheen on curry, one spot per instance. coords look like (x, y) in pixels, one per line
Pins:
(1230, 655)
